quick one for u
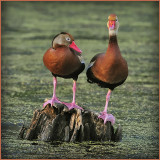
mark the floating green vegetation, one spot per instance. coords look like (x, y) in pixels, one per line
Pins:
(27, 32)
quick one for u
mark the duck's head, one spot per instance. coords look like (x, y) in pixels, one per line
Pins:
(113, 24)
(64, 39)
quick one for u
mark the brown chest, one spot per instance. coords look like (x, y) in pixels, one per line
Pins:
(110, 68)
(61, 61)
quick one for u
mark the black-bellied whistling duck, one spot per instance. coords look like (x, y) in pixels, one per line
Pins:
(64, 60)
(109, 69)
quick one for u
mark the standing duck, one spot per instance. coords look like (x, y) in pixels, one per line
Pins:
(64, 60)
(109, 69)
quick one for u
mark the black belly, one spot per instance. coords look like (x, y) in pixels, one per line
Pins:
(73, 75)
(92, 79)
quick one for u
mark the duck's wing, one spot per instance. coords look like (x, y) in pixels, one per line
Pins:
(90, 76)
(79, 55)
(81, 66)
(93, 60)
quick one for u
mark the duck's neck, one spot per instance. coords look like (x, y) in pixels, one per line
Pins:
(113, 47)
(113, 40)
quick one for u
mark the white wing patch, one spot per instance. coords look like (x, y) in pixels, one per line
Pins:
(81, 59)
(90, 65)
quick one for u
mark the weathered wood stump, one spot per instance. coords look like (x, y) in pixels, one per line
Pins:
(57, 123)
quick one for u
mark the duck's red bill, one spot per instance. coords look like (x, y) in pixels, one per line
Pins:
(112, 24)
(74, 46)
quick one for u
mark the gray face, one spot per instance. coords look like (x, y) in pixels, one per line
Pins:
(62, 40)
(115, 30)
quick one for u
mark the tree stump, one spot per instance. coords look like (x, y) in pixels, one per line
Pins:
(57, 123)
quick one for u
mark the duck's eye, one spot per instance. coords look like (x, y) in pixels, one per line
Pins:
(68, 39)
(116, 20)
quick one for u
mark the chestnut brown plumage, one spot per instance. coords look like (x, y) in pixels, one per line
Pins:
(109, 69)
(64, 60)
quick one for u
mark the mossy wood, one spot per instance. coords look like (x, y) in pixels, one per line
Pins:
(57, 123)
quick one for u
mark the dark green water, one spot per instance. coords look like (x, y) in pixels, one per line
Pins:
(27, 32)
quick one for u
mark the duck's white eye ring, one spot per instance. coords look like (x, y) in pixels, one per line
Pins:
(116, 20)
(68, 39)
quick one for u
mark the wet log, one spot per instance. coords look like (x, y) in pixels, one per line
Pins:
(57, 123)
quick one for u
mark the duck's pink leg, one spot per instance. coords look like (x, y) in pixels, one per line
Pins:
(73, 104)
(107, 117)
(54, 98)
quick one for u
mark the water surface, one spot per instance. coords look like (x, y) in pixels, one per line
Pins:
(27, 32)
